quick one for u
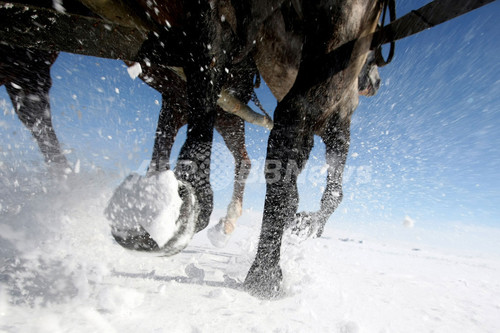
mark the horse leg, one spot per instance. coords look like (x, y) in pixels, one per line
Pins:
(232, 130)
(171, 119)
(233, 134)
(30, 97)
(289, 145)
(205, 59)
(193, 165)
(336, 138)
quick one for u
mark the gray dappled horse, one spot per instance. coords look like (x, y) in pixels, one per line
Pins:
(327, 38)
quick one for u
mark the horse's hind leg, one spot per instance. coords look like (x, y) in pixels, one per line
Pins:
(336, 138)
(233, 133)
(232, 130)
(29, 93)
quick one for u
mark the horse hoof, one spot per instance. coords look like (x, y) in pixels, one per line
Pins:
(153, 214)
(217, 235)
(264, 282)
(306, 225)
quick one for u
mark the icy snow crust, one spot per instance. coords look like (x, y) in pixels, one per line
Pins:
(61, 271)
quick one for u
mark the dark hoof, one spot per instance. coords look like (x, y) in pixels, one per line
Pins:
(264, 282)
(307, 225)
(139, 204)
(137, 240)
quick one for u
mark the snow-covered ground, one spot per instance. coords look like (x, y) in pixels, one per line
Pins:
(61, 271)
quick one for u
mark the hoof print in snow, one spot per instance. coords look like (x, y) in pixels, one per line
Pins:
(156, 213)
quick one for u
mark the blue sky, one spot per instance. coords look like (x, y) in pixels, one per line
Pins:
(427, 146)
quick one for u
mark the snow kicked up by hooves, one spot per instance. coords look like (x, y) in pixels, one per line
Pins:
(155, 213)
(62, 271)
(151, 202)
(162, 228)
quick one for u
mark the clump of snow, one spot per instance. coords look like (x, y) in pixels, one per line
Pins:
(134, 71)
(408, 222)
(118, 299)
(152, 202)
(163, 227)
(194, 273)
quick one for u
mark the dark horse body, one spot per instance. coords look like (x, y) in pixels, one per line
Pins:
(320, 96)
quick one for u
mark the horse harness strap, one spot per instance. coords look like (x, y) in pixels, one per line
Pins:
(430, 15)
(379, 58)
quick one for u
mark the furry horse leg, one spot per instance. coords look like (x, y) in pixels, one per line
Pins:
(317, 95)
(232, 130)
(29, 92)
(193, 164)
(206, 60)
(336, 139)
(233, 134)
(289, 145)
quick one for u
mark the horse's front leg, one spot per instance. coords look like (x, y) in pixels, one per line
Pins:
(193, 163)
(336, 138)
(289, 145)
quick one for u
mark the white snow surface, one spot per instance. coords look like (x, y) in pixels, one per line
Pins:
(61, 271)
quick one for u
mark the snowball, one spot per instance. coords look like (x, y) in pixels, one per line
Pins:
(408, 222)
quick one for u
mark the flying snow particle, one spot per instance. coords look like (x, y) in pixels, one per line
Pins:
(58, 6)
(135, 70)
(408, 222)
(77, 167)
(15, 85)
